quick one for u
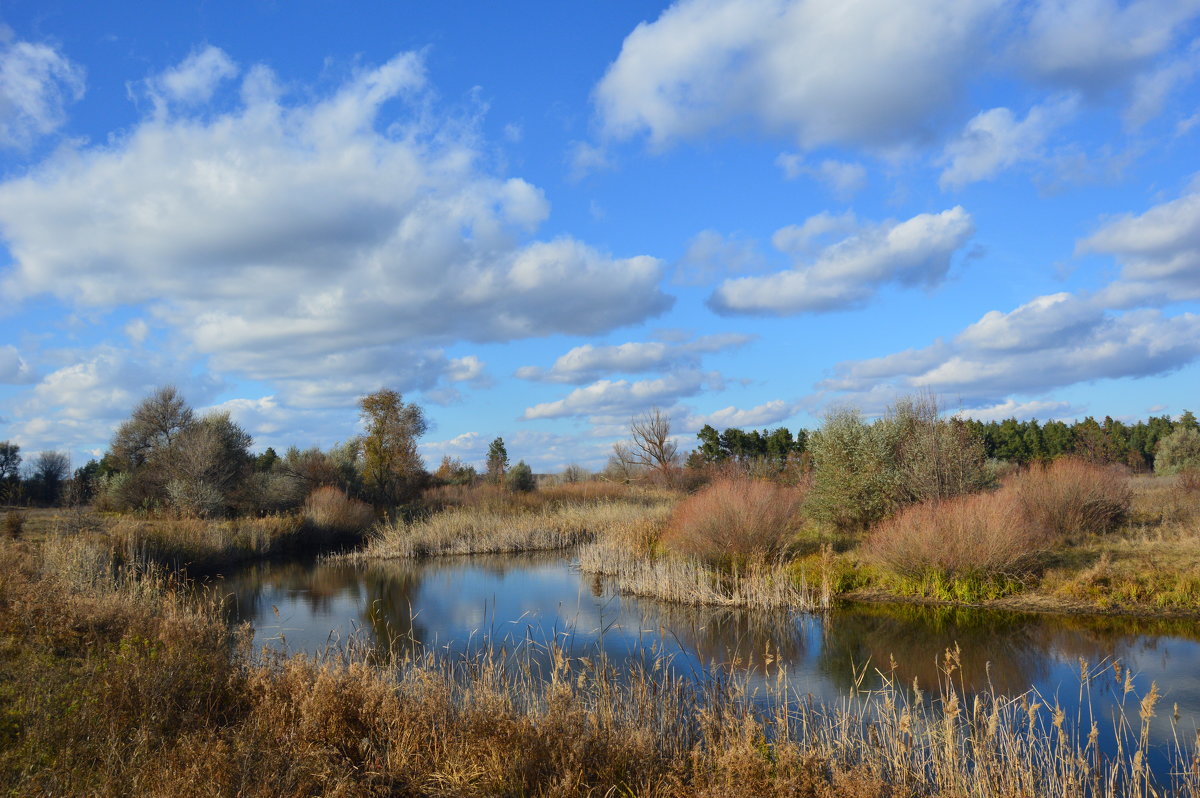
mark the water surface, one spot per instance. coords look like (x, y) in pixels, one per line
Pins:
(461, 604)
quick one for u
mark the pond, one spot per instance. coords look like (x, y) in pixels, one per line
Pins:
(462, 604)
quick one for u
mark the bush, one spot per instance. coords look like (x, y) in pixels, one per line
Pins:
(14, 524)
(984, 533)
(332, 510)
(1072, 497)
(520, 478)
(732, 521)
(1178, 452)
(856, 481)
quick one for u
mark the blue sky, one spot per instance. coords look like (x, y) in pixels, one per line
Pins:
(539, 219)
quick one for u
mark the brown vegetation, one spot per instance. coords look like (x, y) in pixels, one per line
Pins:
(329, 508)
(735, 521)
(1069, 497)
(981, 534)
(112, 682)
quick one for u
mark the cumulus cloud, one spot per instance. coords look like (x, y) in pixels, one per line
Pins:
(79, 404)
(881, 75)
(623, 397)
(1049, 342)
(1159, 253)
(37, 83)
(798, 239)
(844, 178)
(1095, 45)
(285, 238)
(589, 362)
(194, 80)
(13, 368)
(1010, 408)
(994, 140)
(867, 72)
(711, 255)
(846, 274)
(771, 412)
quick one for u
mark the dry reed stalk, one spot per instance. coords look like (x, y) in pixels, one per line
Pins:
(467, 530)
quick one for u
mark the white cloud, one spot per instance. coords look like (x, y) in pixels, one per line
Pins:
(1011, 408)
(994, 140)
(79, 404)
(194, 80)
(137, 330)
(589, 362)
(617, 397)
(36, 85)
(13, 368)
(913, 252)
(1159, 253)
(771, 412)
(870, 72)
(1050, 342)
(798, 239)
(844, 178)
(584, 159)
(1095, 45)
(711, 255)
(295, 238)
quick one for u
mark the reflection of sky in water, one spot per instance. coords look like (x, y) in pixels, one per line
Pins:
(461, 604)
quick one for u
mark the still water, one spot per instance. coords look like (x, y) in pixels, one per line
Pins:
(462, 604)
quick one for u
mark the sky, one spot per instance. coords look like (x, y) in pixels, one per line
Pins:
(539, 219)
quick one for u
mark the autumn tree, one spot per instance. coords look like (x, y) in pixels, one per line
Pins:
(392, 470)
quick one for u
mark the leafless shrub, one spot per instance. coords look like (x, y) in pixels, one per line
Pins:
(986, 533)
(330, 509)
(1072, 497)
(734, 521)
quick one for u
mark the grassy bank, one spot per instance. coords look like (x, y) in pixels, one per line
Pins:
(1143, 560)
(201, 546)
(114, 683)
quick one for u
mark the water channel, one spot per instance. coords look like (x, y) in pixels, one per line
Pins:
(461, 604)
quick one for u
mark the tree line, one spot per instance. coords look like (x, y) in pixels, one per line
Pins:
(166, 456)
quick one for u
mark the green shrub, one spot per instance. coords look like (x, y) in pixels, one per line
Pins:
(520, 478)
(1178, 452)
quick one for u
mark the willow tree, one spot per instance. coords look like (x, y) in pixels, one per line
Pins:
(392, 469)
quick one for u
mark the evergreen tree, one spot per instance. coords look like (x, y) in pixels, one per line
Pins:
(497, 461)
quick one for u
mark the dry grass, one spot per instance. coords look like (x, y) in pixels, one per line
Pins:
(735, 521)
(14, 524)
(984, 533)
(1070, 497)
(329, 508)
(475, 530)
(113, 684)
(498, 499)
(202, 546)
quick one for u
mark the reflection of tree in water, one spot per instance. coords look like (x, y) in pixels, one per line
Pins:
(917, 636)
(314, 585)
(390, 589)
(1019, 647)
(725, 637)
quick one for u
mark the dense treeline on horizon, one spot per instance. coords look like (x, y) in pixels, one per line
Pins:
(167, 457)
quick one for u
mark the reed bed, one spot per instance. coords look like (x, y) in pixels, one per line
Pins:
(755, 584)
(113, 682)
(475, 530)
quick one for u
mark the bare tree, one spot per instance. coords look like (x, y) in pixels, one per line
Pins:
(651, 448)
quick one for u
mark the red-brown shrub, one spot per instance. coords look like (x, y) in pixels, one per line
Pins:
(330, 509)
(733, 520)
(1071, 497)
(985, 533)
